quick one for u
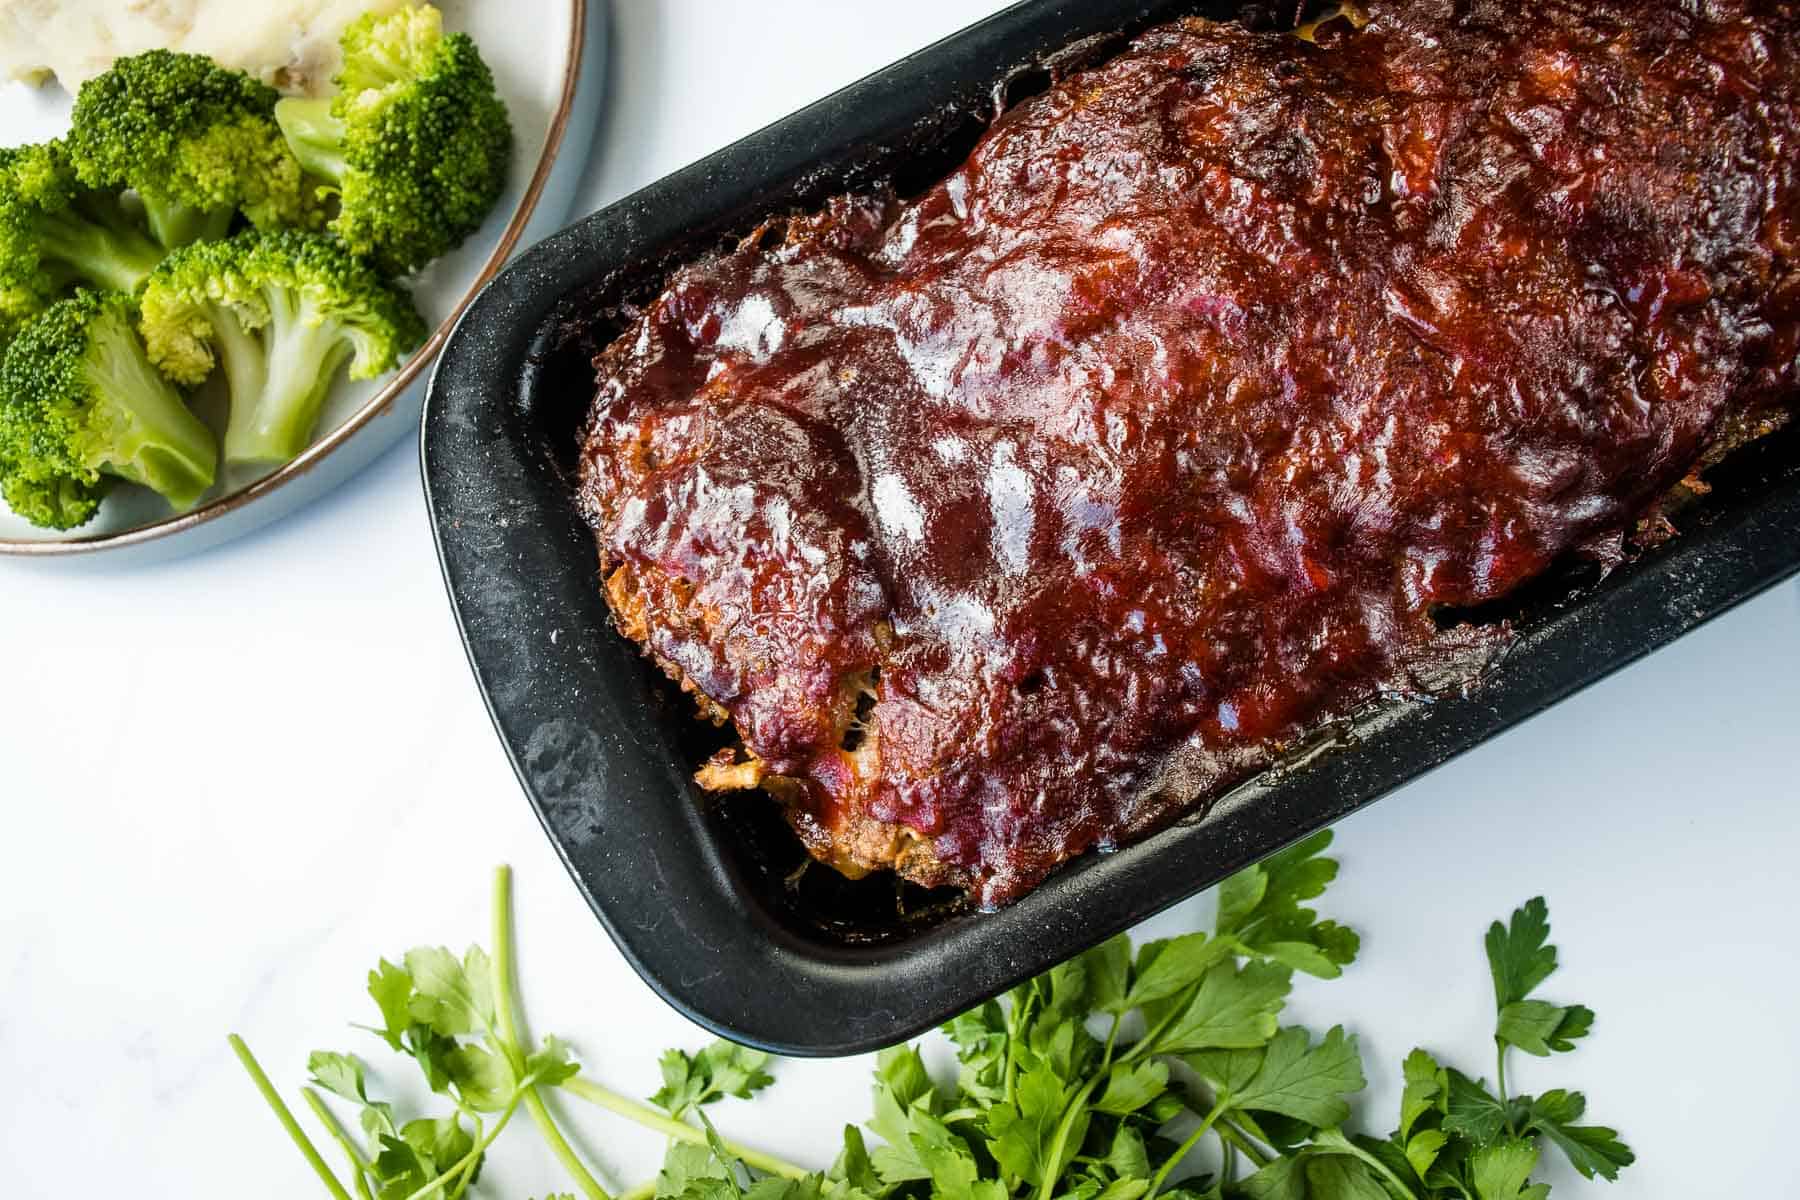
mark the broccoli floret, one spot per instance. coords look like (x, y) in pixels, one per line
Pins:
(55, 233)
(80, 404)
(416, 141)
(279, 313)
(196, 141)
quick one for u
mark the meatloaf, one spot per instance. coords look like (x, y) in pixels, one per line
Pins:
(1014, 519)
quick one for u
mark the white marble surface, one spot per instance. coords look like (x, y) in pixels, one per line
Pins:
(231, 782)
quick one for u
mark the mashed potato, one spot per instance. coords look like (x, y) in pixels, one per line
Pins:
(289, 43)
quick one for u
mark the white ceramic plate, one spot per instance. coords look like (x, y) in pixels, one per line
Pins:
(548, 57)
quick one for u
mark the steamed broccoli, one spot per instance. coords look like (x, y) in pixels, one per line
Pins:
(279, 312)
(416, 141)
(55, 233)
(196, 141)
(80, 404)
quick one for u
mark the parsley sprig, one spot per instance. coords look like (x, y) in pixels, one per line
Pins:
(458, 1020)
(1156, 1072)
(1459, 1139)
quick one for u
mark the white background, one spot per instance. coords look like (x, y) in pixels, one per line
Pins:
(232, 782)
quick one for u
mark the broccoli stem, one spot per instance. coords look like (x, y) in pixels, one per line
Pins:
(149, 436)
(303, 350)
(241, 356)
(116, 257)
(176, 225)
(314, 135)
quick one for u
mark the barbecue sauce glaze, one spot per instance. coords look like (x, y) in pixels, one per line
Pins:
(1158, 432)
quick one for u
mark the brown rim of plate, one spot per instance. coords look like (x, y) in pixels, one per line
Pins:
(409, 371)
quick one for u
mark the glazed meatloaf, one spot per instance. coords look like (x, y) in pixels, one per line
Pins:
(1014, 519)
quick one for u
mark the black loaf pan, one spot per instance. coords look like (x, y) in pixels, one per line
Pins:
(710, 899)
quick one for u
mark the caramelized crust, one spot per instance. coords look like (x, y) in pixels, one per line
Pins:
(1016, 519)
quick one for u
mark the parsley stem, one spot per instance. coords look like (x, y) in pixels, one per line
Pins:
(1053, 1162)
(1016, 1017)
(505, 1002)
(468, 1177)
(565, 1153)
(1379, 1167)
(1183, 1150)
(1233, 1135)
(475, 1152)
(1500, 1069)
(506, 1009)
(1148, 1041)
(1112, 1036)
(668, 1126)
(359, 1162)
(643, 1191)
(282, 1114)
